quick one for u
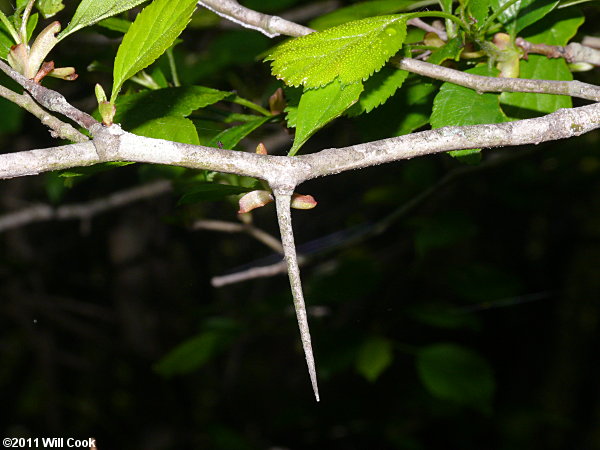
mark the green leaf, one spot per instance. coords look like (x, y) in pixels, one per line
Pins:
(190, 355)
(557, 28)
(374, 356)
(479, 9)
(457, 105)
(451, 50)
(378, 89)
(170, 128)
(524, 12)
(529, 105)
(360, 11)
(135, 109)
(457, 374)
(115, 24)
(230, 137)
(6, 40)
(91, 11)
(320, 106)
(210, 192)
(48, 8)
(351, 52)
(153, 31)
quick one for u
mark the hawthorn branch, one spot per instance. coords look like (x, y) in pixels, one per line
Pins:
(82, 211)
(572, 53)
(270, 26)
(50, 99)
(58, 128)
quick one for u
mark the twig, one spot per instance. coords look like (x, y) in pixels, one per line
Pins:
(418, 23)
(50, 99)
(572, 53)
(58, 128)
(232, 227)
(270, 26)
(82, 211)
(482, 84)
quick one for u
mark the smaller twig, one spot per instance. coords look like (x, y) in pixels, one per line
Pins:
(418, 23)
(50, 99)
(572, 53)
(82, 211)
(58, 128)
(250, 274)
(232, 227)
(492, 84)
(270, 26)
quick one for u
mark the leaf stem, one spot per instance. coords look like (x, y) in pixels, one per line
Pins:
(25, 19)
(247, 103)
(173, 67)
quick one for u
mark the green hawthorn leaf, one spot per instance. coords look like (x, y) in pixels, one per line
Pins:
(230, 137)
(557, 28)
(528, 105)
(153, 31)
(378, 89)
(524, 12)
(457, 374)
(374, 356)
(351, 52)
(320, 106)
(479, 10)
(115, 24)
(169, 128)
(458, 105)
(451, 50)
(135, 109)
(48, 8)
(360, 11)
(91, 11)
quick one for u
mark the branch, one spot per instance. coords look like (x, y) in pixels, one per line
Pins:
(50, 99)
(284, 217)
(59, 128)
(270, 26)
(82, 211)
(572, 53)
(482, 84)
(232, 227)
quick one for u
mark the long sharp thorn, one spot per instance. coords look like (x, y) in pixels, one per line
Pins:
(284, 218)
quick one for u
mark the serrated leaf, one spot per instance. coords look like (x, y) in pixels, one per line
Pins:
(374, 356)
(48, 8)
(479, 10)
(230, 137)
(320, 106)
(457, 374)
(457, 105)
(378, 89)
(135, 109)
(350, 52)
(151, 34)
(451, 50)
(209, 192)
(169, 128)
(540, 68)
(91, 11)
(360, 11)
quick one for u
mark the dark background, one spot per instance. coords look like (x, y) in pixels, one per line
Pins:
(502, 260)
